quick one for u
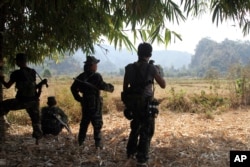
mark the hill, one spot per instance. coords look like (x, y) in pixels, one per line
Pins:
(112, 60)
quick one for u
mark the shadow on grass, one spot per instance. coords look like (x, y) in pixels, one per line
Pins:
(210, 149)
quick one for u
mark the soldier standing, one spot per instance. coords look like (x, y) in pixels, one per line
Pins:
(138, 80)
(86, 90)
(27, 96)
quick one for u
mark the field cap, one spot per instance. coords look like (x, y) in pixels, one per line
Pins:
(91, 60)
(51, 100)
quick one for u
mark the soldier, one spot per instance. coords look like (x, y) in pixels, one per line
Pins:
(138, 82)
(27, 96)
(86, 90)
(50, 118)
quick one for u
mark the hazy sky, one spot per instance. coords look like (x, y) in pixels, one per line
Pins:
(193, 31)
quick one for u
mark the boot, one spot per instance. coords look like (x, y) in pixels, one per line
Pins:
(37, 132)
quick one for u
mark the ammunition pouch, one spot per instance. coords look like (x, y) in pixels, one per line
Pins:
(153, 108)
(128, 113)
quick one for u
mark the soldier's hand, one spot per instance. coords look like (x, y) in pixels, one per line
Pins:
(110, 88)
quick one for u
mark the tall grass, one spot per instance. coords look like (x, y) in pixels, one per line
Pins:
(60, 88)
(193, 95)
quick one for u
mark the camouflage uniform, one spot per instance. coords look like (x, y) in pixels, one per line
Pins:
(26, 98)
(89, 84)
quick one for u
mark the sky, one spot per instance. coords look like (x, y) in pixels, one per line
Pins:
(192, 31)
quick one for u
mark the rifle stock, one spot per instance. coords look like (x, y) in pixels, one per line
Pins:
(63, 123)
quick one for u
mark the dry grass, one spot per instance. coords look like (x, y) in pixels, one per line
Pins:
(180, 140)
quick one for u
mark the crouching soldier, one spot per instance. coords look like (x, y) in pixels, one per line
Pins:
(53, 118)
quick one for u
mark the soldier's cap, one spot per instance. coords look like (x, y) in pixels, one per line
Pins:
(51, 101)
(21, 57)
(144, 50)
(91, 60)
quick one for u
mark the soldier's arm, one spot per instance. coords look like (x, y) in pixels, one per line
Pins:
(62, 113)
(160, 80)
(6, 84)
(75, 92)
(125, 81)
(103, 85)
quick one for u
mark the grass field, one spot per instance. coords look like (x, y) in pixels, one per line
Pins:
(197, 126)
(178, 96)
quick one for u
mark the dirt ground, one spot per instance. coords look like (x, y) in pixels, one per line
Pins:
(180, 140)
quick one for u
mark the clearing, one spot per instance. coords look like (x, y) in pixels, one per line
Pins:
(180, 140)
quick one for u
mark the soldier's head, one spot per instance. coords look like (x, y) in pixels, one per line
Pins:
(51, 101)
(144, 50)
(90, 65)
(21, 59)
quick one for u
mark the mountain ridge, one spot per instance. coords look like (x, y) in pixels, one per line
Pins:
(113, 60)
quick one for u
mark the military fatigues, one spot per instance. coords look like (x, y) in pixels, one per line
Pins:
(26, 97)
(90, 84)
(50, 125)
(142, 124)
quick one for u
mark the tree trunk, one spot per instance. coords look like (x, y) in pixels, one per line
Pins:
(2, 121)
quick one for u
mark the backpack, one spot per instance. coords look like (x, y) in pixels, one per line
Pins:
(133, 98)
(50, 125)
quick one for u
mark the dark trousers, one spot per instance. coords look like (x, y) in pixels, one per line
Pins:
(142, 131)
(32, 108)
(91, 113)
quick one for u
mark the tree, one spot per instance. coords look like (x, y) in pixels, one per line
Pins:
(43, 28)
(47, 73)
(47, 28)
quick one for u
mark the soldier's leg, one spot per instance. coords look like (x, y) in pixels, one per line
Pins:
(83, 128)
(33, 111)
(97, 123)
(133, 138)
(10, 104)
(146, 134)
(6, 106)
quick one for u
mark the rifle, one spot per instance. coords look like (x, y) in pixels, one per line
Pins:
(63, 123)
(39, 86)
(86, 83)
(109, 87)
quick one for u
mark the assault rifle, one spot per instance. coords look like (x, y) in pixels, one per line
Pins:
(86, 83)
(109, 87)
(63, 123)
(40, 85)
